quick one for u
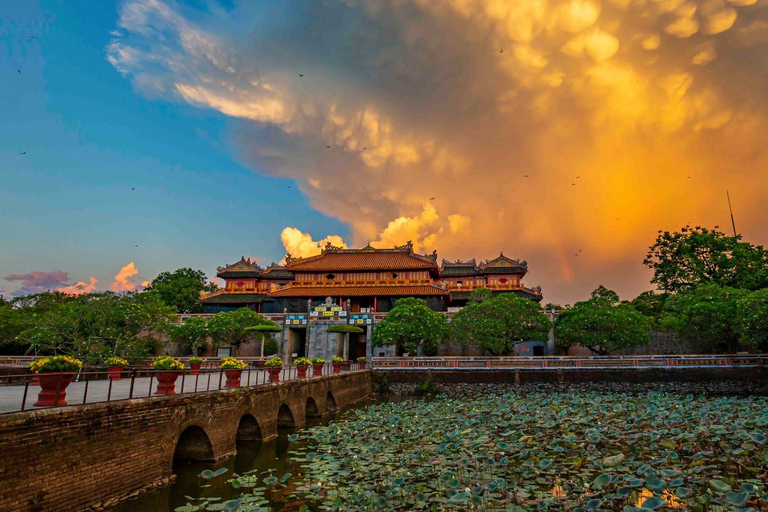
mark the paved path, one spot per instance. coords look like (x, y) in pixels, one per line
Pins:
(11, 397)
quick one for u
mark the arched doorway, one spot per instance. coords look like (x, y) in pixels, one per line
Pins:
(193, 444)
(312, 410)
(248, 429)
(285, 418)
(330, 402)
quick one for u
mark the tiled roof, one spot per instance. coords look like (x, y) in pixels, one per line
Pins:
(459, 270)
(358, 291)
(276, 273)
(356, 260)
(234, 298)
(231, 274)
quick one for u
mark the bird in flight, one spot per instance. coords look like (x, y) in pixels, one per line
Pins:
(289, 186)
(32, 37)
(579, 250)
(300, 74)
(688, 177)
(327, 146)
(431, 198)
(133, 188)
(366, 147)
(501, 51)
(576, 254)
(526, 175)
(23, 153)
(135, 245)
(19, 71)
(579, 176)
(617, 218)
(572, 183)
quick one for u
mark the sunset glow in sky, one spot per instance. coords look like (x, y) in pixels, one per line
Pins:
(562, 132)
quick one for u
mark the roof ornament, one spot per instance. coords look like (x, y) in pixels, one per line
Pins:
(368, 247)
(433, 257)
(290, 259)
(330, 247)
(407, 247)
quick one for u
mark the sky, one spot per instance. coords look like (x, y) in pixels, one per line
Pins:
(140, 136)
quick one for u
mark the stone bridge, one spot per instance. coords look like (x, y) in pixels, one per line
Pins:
(73, 458)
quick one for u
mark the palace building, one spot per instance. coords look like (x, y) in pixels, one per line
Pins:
(363, 280)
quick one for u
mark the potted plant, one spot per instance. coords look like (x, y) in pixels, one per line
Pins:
(317, 366)
(274, 366)
(361, 362)
(167, 371)
(233, 369)
(55, 374)
(115, 365)
(302, 364)
(195, 362)
(337, 362)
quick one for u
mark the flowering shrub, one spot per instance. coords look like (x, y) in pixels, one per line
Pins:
(301, 361)
(361, 359)
(318, 360)
(115, 361)
(55, 364)
(275, 361)
(231, 363)
(196, 360)
(167, 363)
(337, 359)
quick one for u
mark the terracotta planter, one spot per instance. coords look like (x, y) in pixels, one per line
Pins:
(361, 365)
(317, 370)
(346, 365)
(301, 370)
(166, 382)
(195, 368)
(35, 380)
(233, 378)
(274, 373)
(337, 367)
(114, 372)
(50, 382)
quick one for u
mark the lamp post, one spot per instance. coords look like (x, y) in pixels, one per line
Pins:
(309, 318)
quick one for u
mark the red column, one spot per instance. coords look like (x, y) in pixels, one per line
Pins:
(374, 304)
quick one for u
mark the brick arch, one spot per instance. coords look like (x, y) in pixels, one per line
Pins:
(330, 402)
(248, 428)
(286, 417)
(312, 409)
(193, 443)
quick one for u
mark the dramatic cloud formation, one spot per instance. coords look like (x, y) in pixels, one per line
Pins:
(37, 282)
(80, 287)
(122, 281)
(539, 127)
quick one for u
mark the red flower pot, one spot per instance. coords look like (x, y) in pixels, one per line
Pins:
(317, 370)
(50, 382)
(233, 378)
(195, 368)
(35, 380)
(346, 365)
(361, 365)
(301, 370)
(114, 372)
(337, 367)
(166, 382)
(274, 373)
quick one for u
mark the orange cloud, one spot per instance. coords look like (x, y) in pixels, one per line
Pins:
(80, 287)
(122, 283)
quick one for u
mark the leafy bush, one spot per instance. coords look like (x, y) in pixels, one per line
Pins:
(427, 387)
(271, 347)
(318, 360)
(115, 361)
(167, 363)
(196, 360)
(301, 361)
(337, 359)
(381, 383)
(55, 364)
(275, 361)
(361, 359)
(231, 363)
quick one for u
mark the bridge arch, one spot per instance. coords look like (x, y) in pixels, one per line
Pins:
(330, 402)
(193, 444)
(312, 410)
(248, 429)
(285, 417)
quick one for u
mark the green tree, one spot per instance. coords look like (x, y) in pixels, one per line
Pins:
(192, 334)
(601, 292)
(707, 315)
(12, 323)
(411, 325)
(697, 256)
(97, 325)
(181, 289)
(752, 311)
(229, 327)
(480, 295)
(498, 324)
(601, 325)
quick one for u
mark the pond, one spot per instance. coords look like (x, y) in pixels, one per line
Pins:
(501, 449)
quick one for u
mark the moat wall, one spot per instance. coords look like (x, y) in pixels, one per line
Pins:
(75, 458)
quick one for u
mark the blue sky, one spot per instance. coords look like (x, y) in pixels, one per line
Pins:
(89, 138)
(562, 132)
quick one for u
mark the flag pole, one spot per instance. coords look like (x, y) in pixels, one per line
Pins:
(731, 210)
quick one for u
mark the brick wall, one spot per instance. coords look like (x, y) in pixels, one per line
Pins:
(71, 458)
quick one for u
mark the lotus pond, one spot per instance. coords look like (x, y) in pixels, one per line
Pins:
(540, 448)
